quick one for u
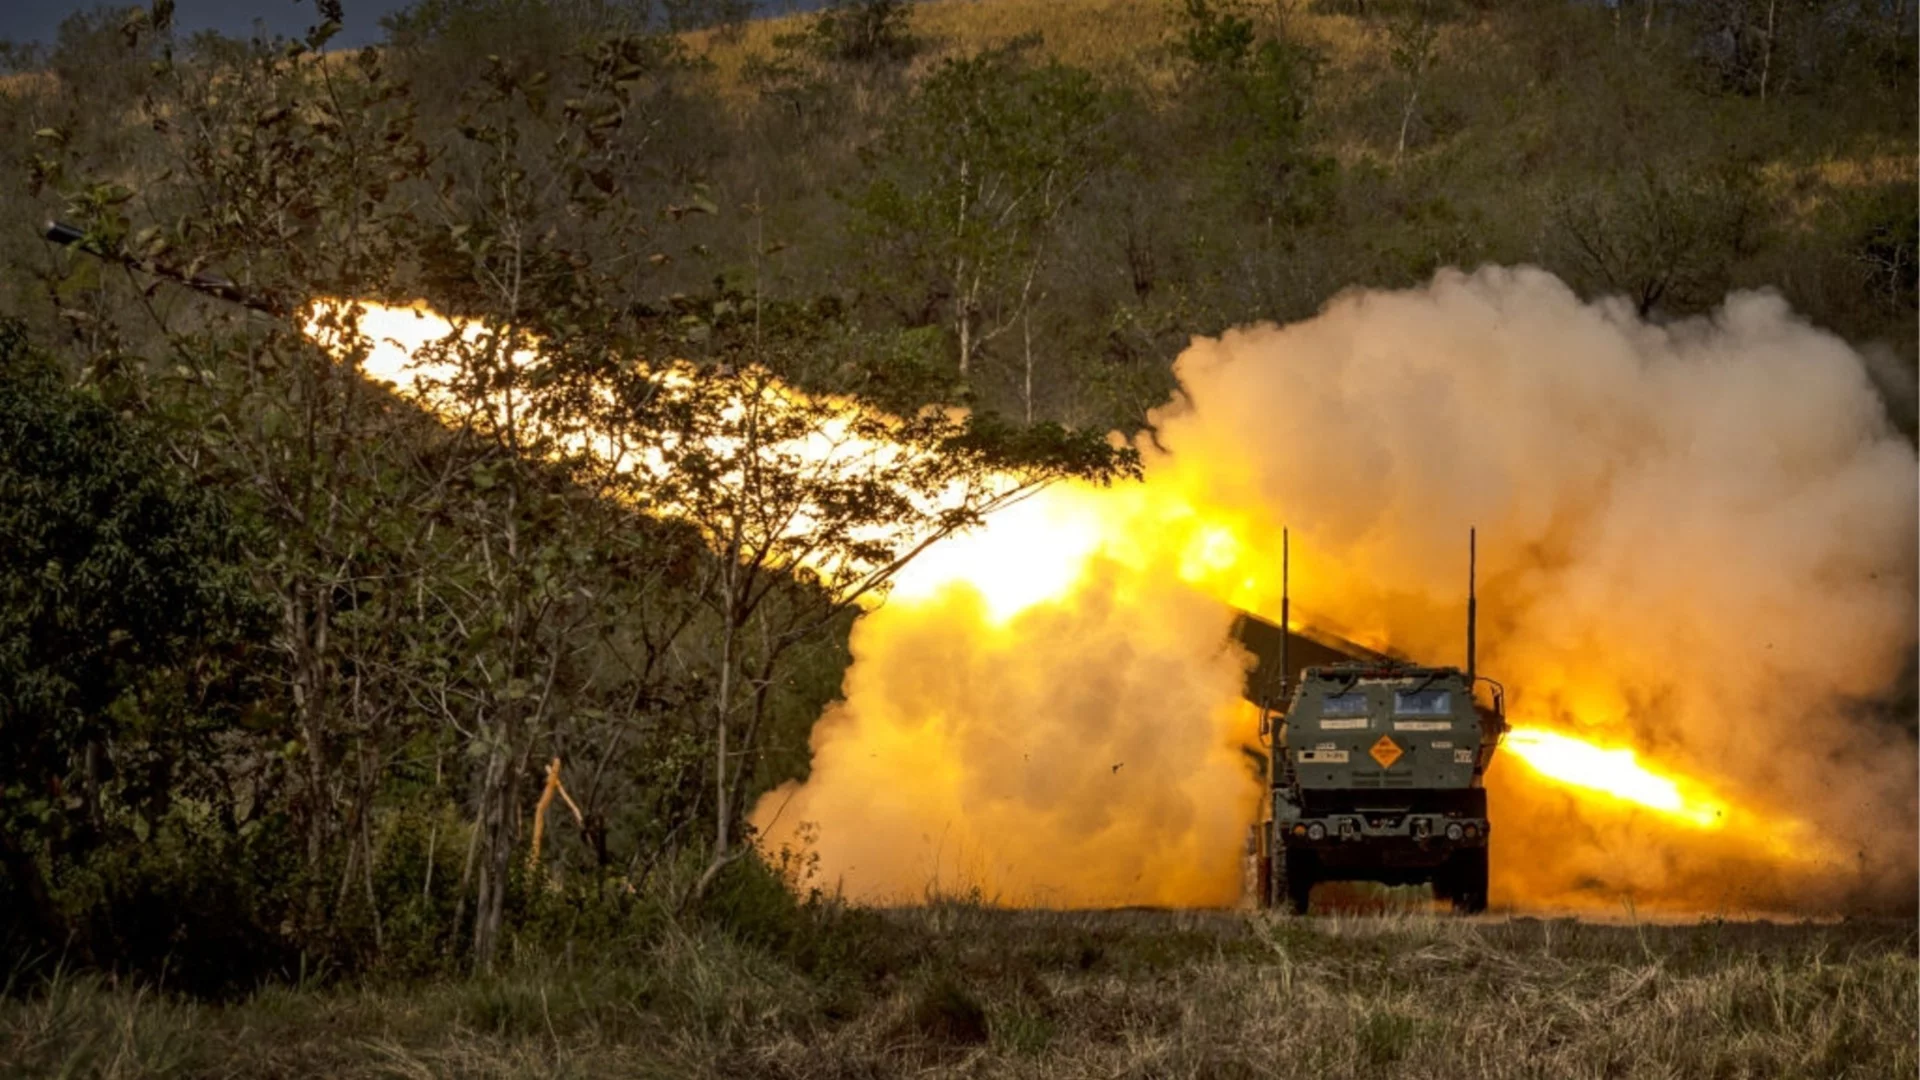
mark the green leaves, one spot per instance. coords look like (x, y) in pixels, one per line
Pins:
(1216, 35)
(118, 586)
(972, 174)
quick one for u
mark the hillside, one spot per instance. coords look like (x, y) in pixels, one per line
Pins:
(1530, 124)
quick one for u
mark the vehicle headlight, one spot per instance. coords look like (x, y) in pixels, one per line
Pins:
(1316, 831)
(1453, 831)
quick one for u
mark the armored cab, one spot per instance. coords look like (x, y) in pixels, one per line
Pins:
(1377, 773)
(1378, 776)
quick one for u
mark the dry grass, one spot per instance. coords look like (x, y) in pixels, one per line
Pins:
(28, 83)
(1492, 110)
(1121, 39)
(955, 990)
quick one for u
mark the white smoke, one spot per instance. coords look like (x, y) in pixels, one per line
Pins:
(1697, 539)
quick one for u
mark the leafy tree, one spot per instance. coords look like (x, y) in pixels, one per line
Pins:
(972, 177)
(121, 606)
(1411, 39)
(1665, 241)
(1246, 97)
(1214, 35)
(864, 32)
(852, 52)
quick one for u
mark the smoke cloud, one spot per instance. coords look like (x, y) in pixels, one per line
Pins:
(1697, 540)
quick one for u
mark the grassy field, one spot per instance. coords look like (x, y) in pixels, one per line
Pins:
(960, 990)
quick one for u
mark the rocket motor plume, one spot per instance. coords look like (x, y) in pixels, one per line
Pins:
(1698, 542)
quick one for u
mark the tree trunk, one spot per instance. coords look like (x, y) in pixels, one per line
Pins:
(1766, 55)
(962, 316)
(495, 841)
(722, 794)
(722, 715)
(1406, 118)
(962, 297)
(1026, 334)
(306, 620)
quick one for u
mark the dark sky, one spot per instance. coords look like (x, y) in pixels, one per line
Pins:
(37, 20)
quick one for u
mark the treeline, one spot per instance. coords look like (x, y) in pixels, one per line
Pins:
(293, 673)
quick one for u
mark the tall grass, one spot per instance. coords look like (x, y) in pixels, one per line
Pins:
(959, 989)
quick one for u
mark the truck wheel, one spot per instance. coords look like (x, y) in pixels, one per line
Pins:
(1443, 882)
(1468, 887)
(1296, 883)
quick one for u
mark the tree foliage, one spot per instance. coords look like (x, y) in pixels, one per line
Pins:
(973, 175)
(124, 620)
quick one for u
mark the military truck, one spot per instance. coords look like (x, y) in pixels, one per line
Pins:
(1376, 768)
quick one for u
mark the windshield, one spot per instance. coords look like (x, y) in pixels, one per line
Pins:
(1423, 703)
(1353, 704)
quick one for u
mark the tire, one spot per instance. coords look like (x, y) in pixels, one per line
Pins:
(1293, 880)
(1468, 884)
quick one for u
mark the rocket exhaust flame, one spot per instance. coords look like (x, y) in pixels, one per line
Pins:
(1703, 564)
(1614, 772)
(438, 362)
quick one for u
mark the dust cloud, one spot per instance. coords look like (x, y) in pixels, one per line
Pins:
(1697, 540)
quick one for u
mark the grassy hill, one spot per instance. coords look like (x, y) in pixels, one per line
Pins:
(1530, 124)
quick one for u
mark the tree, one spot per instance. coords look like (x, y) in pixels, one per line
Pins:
(119, 595)
(848, 56)
(863, 32)
(432, 584)
(1214, 35)
(973, 174)
(1245, 96)
(1411, 37)
(810, 503)
(1667, 241)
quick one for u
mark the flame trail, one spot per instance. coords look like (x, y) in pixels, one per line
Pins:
(1701, 568)
(1615, 772)
(440, 362)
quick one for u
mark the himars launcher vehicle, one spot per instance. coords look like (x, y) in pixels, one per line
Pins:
(1377, 768)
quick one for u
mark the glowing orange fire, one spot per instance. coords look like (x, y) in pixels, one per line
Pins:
(419, 352)
(1615, 772)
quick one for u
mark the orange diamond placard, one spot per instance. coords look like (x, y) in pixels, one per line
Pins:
(1386, 752)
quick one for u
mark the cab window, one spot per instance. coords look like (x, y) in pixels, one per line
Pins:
(1423, 703)
(1336, 705)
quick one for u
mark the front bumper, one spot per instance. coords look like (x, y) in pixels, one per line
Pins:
(1415, 837)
